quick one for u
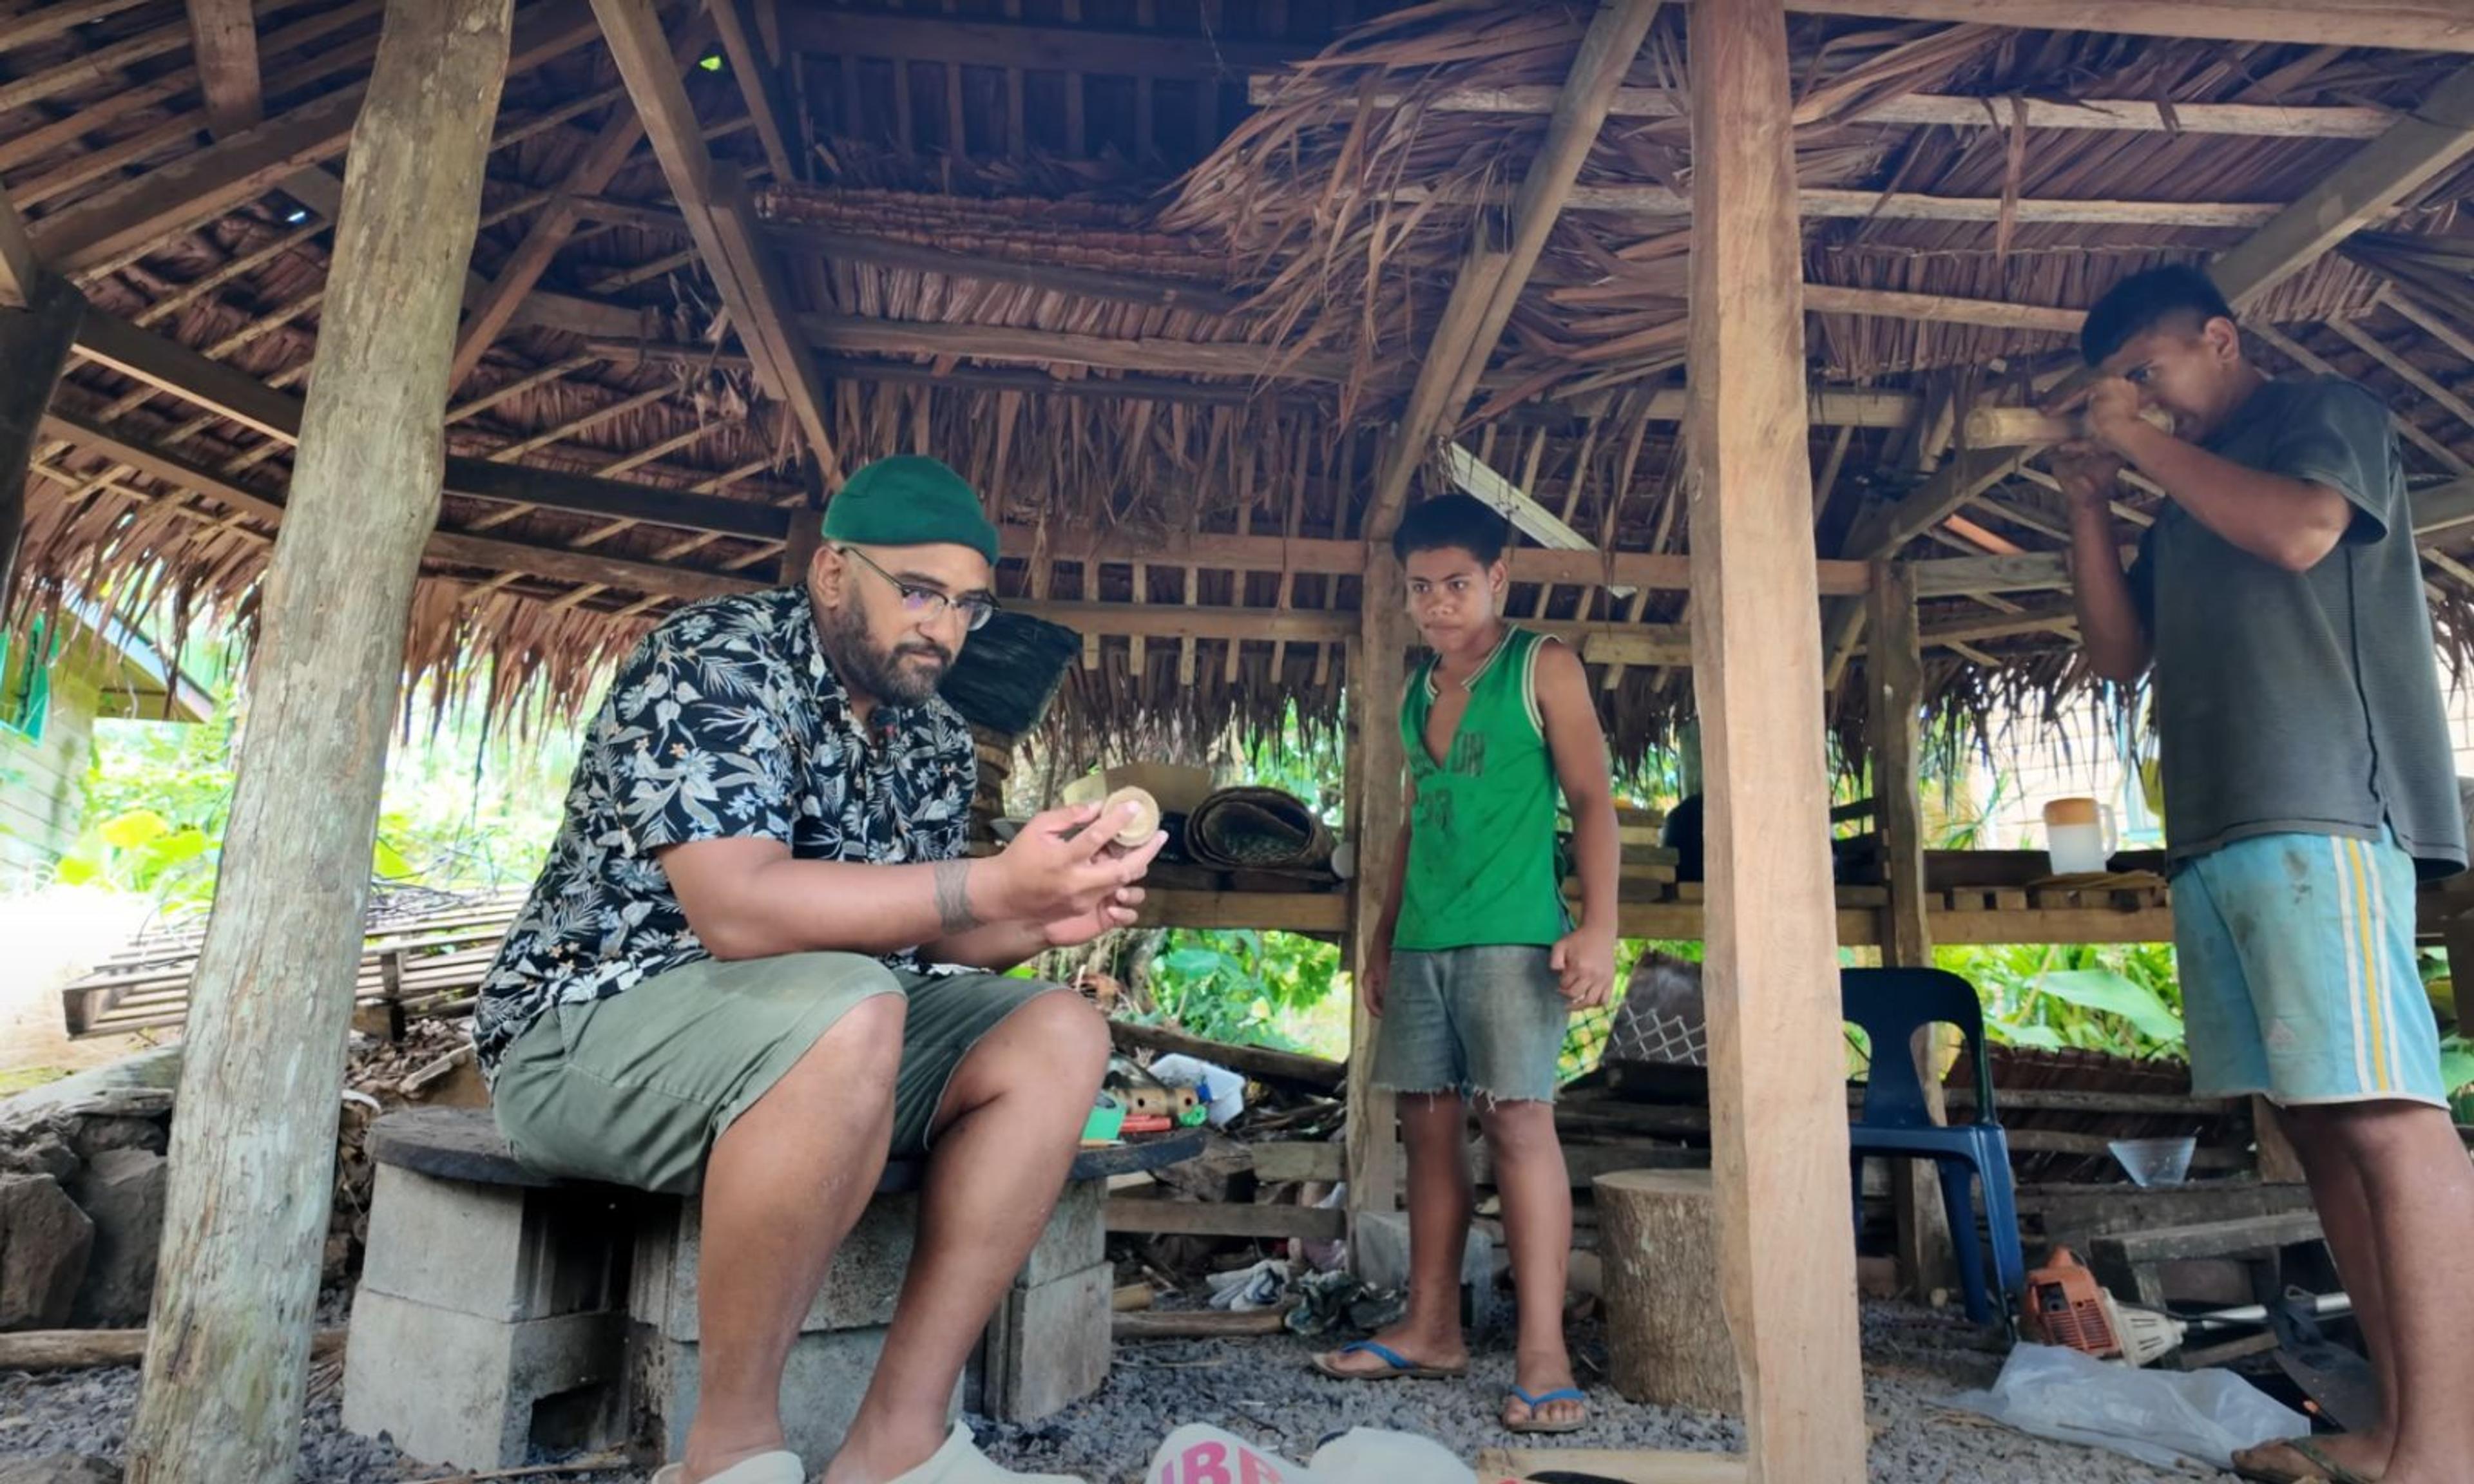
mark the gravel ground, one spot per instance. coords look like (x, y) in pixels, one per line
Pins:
(1262, 1389)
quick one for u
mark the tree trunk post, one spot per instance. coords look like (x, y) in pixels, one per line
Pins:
(1894, 676)
(254, 1144)
(1376, 763)
(1777, 1054)
(33, 345)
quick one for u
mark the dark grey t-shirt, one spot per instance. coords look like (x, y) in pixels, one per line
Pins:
(2301, 702)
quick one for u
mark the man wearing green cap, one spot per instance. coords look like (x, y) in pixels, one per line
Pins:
(757, 963)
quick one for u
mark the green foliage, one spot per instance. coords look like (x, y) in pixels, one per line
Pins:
(1245, 987)
(462, 809)
(2123, 999)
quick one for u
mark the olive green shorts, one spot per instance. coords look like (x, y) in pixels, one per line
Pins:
(634, 1088)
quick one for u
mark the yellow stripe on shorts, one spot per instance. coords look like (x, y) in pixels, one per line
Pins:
(2361, 919)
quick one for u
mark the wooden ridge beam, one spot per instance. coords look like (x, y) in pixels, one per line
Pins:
(2388, 170)
(721, 222)
(2132, 115)
(2409, 25)
(128, 217)
(225, 39)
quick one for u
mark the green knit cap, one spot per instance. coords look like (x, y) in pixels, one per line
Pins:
(910, 500)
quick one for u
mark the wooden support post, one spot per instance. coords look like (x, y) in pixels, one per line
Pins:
(252, 1151)
(33, 345)
(1376, 766)
(1776, 1069)
(1894, 676)
(807, 531)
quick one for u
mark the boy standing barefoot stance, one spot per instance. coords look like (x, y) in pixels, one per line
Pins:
(1486, 965)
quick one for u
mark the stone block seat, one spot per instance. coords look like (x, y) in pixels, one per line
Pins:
(499, 1308)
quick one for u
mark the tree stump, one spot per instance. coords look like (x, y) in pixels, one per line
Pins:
(1666, 1326)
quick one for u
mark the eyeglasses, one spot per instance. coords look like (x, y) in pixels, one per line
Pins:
(926, 603)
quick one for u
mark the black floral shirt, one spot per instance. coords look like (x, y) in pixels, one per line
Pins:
(726, 722)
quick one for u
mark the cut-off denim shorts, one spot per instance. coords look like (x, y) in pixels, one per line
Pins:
(1486, 1022)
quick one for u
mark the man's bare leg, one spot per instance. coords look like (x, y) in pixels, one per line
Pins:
(1538, 1226)
(783, 1186)
(2419, 1190)
(1009, 1125)
(2346, 1217)
(1434, 1131)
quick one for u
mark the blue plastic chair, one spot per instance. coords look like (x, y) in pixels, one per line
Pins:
(1891, 1004)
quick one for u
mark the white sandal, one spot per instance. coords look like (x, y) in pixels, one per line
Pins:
(776, 1467)
(959, 1461)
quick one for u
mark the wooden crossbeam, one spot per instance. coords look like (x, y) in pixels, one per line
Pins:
(1039, 48)
(45, 21)
(2131, 115)
(102, 63)
(1056, 277)
(2405, 370)
(1940, 308)
(2381, 173)
(19, 267)
(198, 187)
(1493, 274)
(714, 202)
(2386, 170)
(753, 67)
(1476, 477)
(225, 39)
(1834, 202)
(856, 333)
(550, 228)
(2413, 25)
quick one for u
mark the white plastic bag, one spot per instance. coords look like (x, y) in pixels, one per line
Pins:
(1264, 1285)
(1371, 1456)
(1215, 1085)
(1199, 1453)
(2165, 1418)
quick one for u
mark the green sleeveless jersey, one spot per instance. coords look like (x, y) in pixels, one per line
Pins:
(1482, 833)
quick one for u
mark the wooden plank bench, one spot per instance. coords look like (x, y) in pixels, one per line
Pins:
(499, 1308)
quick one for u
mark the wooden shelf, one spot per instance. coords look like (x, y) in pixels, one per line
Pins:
(1327, 912)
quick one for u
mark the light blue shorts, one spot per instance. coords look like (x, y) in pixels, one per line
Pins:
(1483, 1022)
(2298, 968)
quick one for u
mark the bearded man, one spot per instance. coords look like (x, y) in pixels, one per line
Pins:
(756, 964)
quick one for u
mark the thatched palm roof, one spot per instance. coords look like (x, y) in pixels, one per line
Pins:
(1163, 307)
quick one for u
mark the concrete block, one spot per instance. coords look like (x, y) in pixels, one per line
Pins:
(822, 1386)
(1075, 1238)
(859, 1290)
(1048, 1346)
(495, 1252)
(459, 1390)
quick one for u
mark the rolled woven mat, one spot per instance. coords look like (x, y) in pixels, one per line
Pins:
(1259, 830)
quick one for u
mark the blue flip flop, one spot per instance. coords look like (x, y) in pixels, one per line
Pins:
(1399, 1367)
(1539, 1402)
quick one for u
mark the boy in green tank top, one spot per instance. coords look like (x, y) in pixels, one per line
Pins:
(1485, 964)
